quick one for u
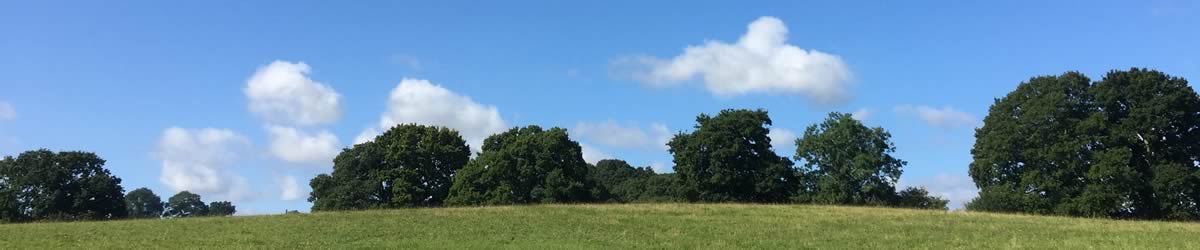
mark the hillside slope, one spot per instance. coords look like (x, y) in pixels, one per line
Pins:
(718, 226)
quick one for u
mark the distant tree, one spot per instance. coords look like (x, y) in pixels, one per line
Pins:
(525, 165)
(143, 203)
(1126, 146)
(221, 208)
(409, 165)
(915, 197)
(41, 184)
(626, 183)
(729, 158)
(186, 204)
(846, 162)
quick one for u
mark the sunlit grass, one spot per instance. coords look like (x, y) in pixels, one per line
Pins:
(714, 226)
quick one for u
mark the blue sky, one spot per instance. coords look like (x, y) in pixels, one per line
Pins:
(162, 88)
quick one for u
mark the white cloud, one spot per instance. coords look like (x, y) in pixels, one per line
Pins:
(612, 134)
(660, 167)
(290, 188)
(422, 102)
(862, 114)
(7, 111)
(782, 139)
(195, 160)
(759, 62)
(281, 92)
(296, 146)
(957, 189)
(945, 117)
(592, 155)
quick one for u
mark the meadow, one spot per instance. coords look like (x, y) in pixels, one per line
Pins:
(617, 226)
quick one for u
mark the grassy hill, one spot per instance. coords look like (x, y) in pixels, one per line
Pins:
(714, 226)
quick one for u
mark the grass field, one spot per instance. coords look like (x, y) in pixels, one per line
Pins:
(712, 226)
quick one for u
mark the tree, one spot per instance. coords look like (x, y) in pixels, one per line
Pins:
(186, 204)
(1125, 146)
(729, 158)
(525, 165)
(626, 183)
(846, 162)
(1032, 148)
(914, 197)
(409, 165)
(221, 208)
(143, 203)
(41, 184)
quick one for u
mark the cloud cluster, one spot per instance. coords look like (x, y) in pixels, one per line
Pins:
(195, 160)
(593, 155)
(782, 139)
(7, 111)
(862, 114)
(293, 145)
(422, 102)
(944, 117)
(610, 133)
(760, 61)
(282, 94)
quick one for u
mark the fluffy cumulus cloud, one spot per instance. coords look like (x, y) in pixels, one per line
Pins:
(282, 93)
(760, 61)
(422, 102)
(291, 189)
(944, 117)
(624, 136)
(958, 189)
(195, 160)
(296, 146)
(7, 111)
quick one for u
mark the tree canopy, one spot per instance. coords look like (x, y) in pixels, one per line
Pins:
(42, 184)
(729, 158)
(186, 204)
(409, 165)
(526, 165)
(221, 208)
(143, 203)
(1124, 146)
(847, 163)
(626, 183)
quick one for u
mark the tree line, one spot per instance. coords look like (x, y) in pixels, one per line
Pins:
(67, 186)
(727, 158)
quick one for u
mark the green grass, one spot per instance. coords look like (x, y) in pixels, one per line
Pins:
(711, 226)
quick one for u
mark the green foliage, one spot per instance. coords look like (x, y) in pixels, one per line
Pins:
(626, 183)
(1125, 146)
(914, 197)
(44, 185)
(409, 165)
(846, 162)
(143, 203)
(221, 208)
(186, 204)
(526, 165)
(729, 158)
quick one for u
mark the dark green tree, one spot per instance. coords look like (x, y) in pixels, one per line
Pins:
(626, 183)
(221, 208)
(409, 165)
(845, 162)
(526, 165)
(914, 197)
(1033, 147)
(41, 184)
(143, 203)
(186, 204)
(729, 158)
(1125, 146)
